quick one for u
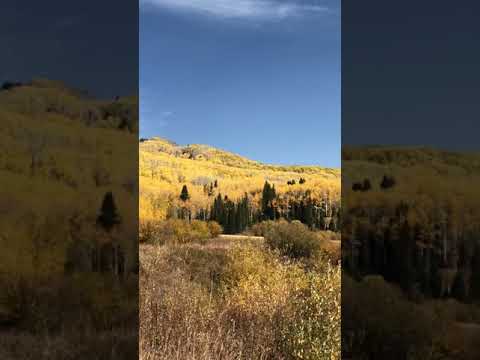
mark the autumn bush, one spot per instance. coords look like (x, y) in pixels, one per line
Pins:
(296, 311)
(313, 330)
(148, 230)
(177, 231)
(245, 301)
(68, 318)
(180, 318)
(262, 228)
(293, 239)
(257, 281)
(377, 317)
(214, 228)
(83, 300)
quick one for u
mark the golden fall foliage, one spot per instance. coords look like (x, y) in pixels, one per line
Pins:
(427, 180)
(165, 167)
(59, 152)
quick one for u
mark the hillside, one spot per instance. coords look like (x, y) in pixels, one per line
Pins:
(423, 176)
(434, 190)
(59, 155)
(165, 167)
(414, 156)
(222, 157)
(410, 231)
(65, 160)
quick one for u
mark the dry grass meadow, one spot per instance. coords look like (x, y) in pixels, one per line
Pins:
(237, 298)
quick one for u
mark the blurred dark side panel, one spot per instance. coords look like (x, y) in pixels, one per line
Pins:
(410, 175)
(69, 180)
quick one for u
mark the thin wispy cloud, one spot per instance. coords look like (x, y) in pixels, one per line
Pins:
(240, 9)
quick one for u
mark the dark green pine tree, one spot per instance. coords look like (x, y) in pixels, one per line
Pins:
(108, 217)
(406, 253)
(214, 210)
(243, 214)
(248, 211)
(387, 182)
(303, 209)
(184, 196)
(293, 210)
(268, 195)
(366, 185)
(308, 217)
(265, 196)
(217, 213)
(475, 281)
(238, 218)
(229, 222)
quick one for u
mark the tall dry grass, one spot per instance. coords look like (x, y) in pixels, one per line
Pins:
(239, 302)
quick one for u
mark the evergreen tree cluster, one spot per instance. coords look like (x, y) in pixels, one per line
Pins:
(234, 217)
(293, 182)
(433, 260)
(209, 189)
(386, 183)
(362, 186)
(317, 215)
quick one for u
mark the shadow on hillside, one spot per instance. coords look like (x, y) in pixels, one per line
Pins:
(68, 224)
(410, 253)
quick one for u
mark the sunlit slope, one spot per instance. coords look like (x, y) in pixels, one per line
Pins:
(165, 167)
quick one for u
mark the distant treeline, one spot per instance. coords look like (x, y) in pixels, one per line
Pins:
(237, 216)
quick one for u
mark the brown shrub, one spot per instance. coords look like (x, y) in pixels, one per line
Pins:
(242, 302)
(177, 231)
(293, 239)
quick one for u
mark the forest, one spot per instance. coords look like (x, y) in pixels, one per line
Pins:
(217, 182)
(410, 228)
(69, 230)
(236, 216)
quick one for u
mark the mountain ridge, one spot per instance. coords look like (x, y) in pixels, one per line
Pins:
(221, 156)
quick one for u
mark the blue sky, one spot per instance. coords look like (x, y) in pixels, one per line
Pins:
(256, 77)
